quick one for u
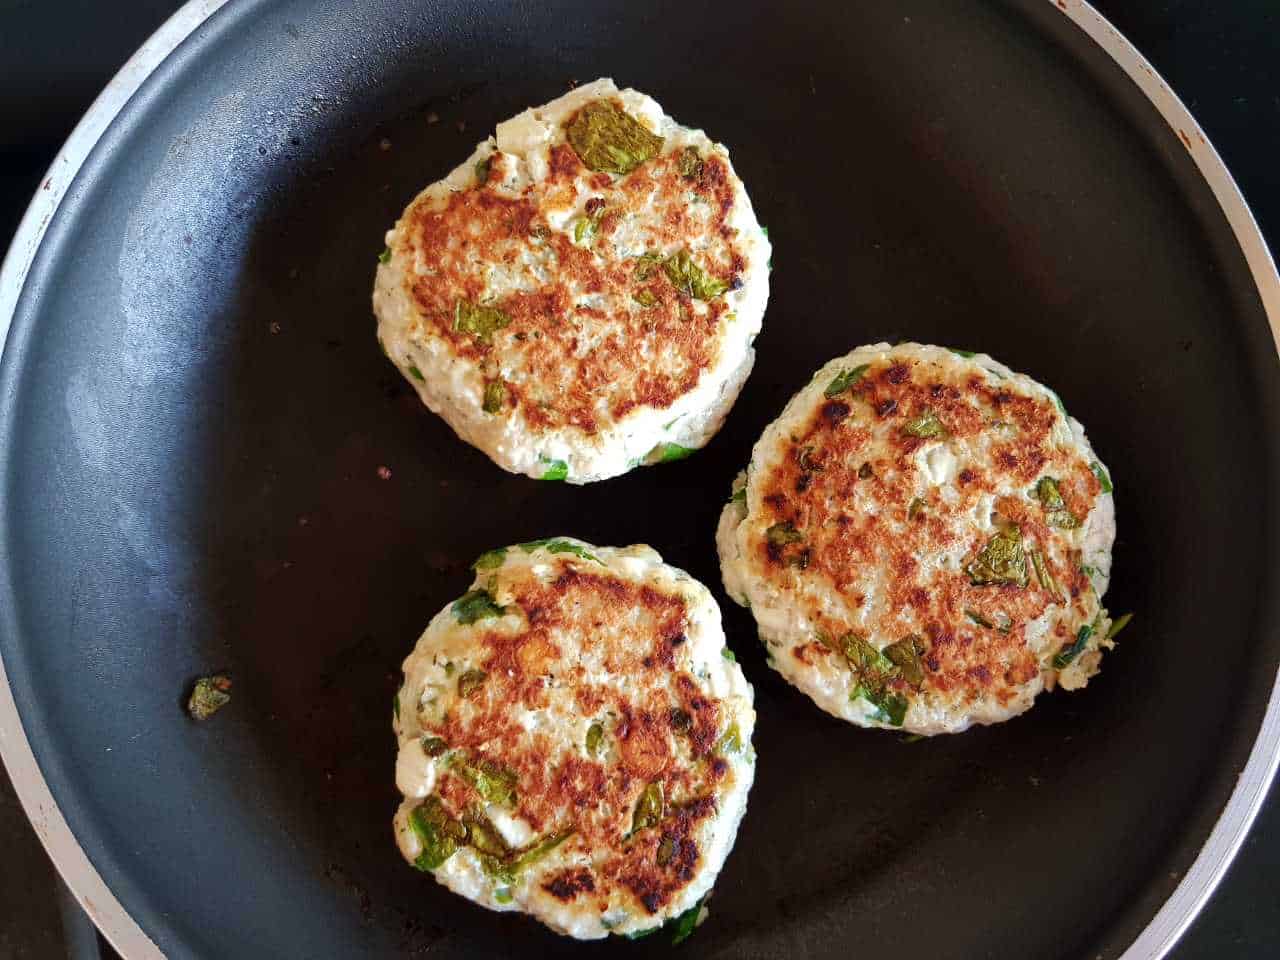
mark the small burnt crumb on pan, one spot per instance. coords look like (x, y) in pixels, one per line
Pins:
(209, 695)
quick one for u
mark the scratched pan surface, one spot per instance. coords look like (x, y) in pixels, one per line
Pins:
(196, 413)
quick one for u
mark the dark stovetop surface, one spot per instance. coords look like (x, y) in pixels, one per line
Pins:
(1223, 59)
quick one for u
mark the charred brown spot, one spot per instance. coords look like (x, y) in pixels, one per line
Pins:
(897, 373)
(834, 411)
(886, 407)
(567, 885)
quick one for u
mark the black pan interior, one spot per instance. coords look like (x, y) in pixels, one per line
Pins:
(194, 412)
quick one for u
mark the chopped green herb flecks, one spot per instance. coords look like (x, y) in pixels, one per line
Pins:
(508, 865)
(641, 934)
(434, 746)
(728, 654)
(1001, 561)
(476, 605)
(927, 426)
(649, 808)
(682, 927)
(395, 705)
(553, 545)
(1003, 626)
(556, 470)
(595, 733)
(905, 655)
(891, 707)
(1103, 478)
(646, 298)
(439, 833)
(845, 379)
(385, 255)
(471, 681)
(209, 695)
(490, 559)
(486, 840)
(731, 740)
(782, 534)
(979, 619)
(967, 354)
(690, 279)
(874, 669)
(1044, 575)
(646, 265)
(482, 171)
(667, 452)
(607, 139)
(564, 546)
(1056, 512)
(914, 508)
(495, 395)
(1118, 624)
(586, 227)
(739, 495)
(492, 781)
(538, 850)
(416, 373)
(1064, 656)
(502, 895)
(689, 163)
(478, 320)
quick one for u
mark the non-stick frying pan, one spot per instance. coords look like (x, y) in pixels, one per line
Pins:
(193, 413)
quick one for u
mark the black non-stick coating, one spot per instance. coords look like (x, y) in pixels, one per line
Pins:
(194, 413)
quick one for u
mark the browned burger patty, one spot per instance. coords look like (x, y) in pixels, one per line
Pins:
(573, 311)
(574, 741)
(924, 538)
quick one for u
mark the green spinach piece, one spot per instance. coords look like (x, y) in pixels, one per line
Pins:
(478, 320)
(609, 140)
(1055, 508)
(440, 834)
(927, 426)
(1064, 656)
(490, 559)
(1001, 561)
(844, 380)
(476, 605)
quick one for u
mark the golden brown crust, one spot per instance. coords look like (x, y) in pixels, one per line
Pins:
(581, 362)
(661, 729)
(854, 448)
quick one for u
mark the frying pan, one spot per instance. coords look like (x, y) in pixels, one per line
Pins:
(193, 412)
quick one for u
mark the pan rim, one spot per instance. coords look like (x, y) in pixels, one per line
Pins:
(124, 933)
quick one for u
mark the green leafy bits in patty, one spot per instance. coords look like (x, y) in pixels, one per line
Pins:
(607, 139)
(478, 320)
(690, 279)
(1001, 561)
(476, 605)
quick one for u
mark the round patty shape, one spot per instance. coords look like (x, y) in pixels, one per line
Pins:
(581, 295)
(924, 538)
(575, 740)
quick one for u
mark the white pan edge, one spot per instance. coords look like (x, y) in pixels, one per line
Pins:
(124, 934)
